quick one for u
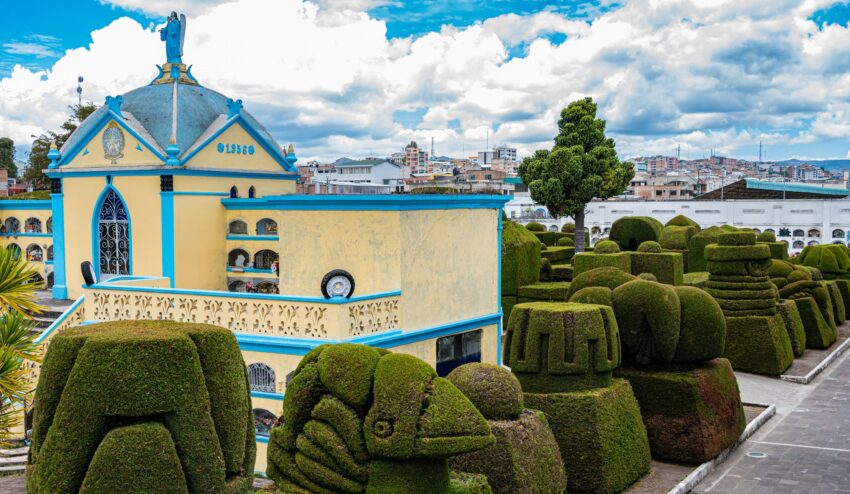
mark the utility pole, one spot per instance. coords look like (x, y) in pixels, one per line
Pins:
(79, 90)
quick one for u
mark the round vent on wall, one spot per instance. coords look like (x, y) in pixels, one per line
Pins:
(338, 283)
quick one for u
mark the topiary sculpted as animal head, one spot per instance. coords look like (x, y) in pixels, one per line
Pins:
(357, 417)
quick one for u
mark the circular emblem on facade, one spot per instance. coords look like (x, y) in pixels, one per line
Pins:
(113, 142)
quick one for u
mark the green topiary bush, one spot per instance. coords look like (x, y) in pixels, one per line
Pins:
(545, 270)
(586, 261)
(520, 258)
(558, 255)
(116, 400)
(794, 326)
(568, 228)
(608, 277)
(702, 334)
(550, 238)
(698, 279)
(631, 231)
(566, 242)
(820, 333)
(650, 247)
(766, 237)
(555, 291)
(648, 316)
(677, 237)
(535, 227)
(606, 247)
(682, 220)
(544, 330)
(758, 344)
(647, 277)
(494, 391)
(562, 272)
(696, 247)
(599, 295)
(832, 260)
(836, 300)
(384, 421)
(667, 267)
(737, 238)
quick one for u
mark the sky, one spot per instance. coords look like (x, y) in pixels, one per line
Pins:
(365, 77)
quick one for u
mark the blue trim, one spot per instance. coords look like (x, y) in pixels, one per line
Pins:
(253, 237)
(24, 234)
(387, 339)
(262, 439)
(129, 277)
(104, 120)
(370, 202)
(247, 127)
(195, 172)
(194, 193)
(25, 204)
(804, 188)
(49, 262)
(61, 319)
(266, 395)
(499, 287)
(167, 224)
(60, 289)
(95, 231)
(231, 269)
(258, 296)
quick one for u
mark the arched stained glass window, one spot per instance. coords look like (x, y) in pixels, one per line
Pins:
(113, 230)
(261, 378)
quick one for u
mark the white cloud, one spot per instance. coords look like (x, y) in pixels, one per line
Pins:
(704, 74)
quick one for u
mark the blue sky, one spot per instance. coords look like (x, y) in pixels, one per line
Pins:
(356, 77)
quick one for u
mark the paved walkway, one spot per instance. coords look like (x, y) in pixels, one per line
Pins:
(807, 443)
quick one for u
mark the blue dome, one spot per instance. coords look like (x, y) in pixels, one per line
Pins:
(153, 107)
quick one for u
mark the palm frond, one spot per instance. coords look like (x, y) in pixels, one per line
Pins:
(17, 334)
(17, 288)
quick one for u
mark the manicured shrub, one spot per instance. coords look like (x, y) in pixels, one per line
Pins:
(737, 238)
(568, 228)
(691, 413)
(555, 291)
(631, 231)
(520, 258)
(766, 237)
(535, 227)
(832, 260)
(778, 250)
(836, 301)
(562, 272)
(696, 247)
(794, 326)
(566, 242)
(591, 332)
(558, 255)
(385, 421)
(702, 333)
(758, 344)
(814, 290)
(844, 288)
(820, 333)
(600, 434)
(647, 277)
(525, 457)
(648, 316)
(586, 261)
(508, 304)
(545, 270)
(188, 384)
(677, 237)
(606, 247)
(549, 238)
(667, 267)
(650, 247)
(608, 277)
(682, 220)
(698, 279)
(599, 295)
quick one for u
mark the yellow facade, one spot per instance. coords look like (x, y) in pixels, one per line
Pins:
(228, 151)
(34, 236)
(92, 155)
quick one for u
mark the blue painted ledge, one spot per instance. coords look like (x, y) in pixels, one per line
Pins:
(26, 234)
(370, 202)
(274, 238)
(25, 204)
(232, 269)
(267, 395)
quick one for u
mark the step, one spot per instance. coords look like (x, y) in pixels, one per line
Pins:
(14, 451)
(13, 460)
(13, 469)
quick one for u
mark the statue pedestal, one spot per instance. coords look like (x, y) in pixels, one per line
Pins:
(600, 434)
(169, 70)
(691, 412)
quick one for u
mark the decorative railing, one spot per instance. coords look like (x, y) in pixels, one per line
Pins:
(73, 316)
(266, 314)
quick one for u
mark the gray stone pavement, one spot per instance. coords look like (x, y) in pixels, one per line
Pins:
(807, 442)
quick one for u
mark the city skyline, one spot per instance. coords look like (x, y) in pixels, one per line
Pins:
(365, 77)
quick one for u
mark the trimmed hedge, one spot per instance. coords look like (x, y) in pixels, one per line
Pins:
(544, 330)
(600, 434)
(696, 247)
(698, 279)
(585, 261)
(568, 228)
(608, 277)
(836, 300)
(549, 238)
(682, 220)
(844, 288)
(558, 255)
(555, 291)
(832, 260)
(737, 238)
(815, 290)
(794, 326)
(599, 295)
(650, 247)
(820, 333)
(508, 304)
(631, 231)
(606, 247)
(494, 391)
(648, 316)
(562, 272)
(766, 237)
(358, 418)
(758, 344)
(667, 267)
(545, 270)
(520, 258)
(778, 250)
(566, 242)
(702, 334)
(535, 227)
(187, 381)
(524, 460)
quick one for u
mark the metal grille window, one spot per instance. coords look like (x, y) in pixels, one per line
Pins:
(12, 225)
(113, 230)
(33, 225)
(261, 378)
(238, 227)
(264, 259)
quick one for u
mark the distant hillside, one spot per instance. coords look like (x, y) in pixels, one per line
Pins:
(826, 164)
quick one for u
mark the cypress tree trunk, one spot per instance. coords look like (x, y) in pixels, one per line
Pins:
(579, 234)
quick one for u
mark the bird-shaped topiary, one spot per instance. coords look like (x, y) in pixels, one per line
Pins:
(361, 419)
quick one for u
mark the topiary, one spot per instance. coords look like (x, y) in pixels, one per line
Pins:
(494, 391)
(606, 276)
(520, 258)
(647, 277)
(766, 237)
(142, 406)
(832, 260)
(545, 270)
(648, 315)
(606, 247)
(566, 242)
(599, 295)
(568, 228)
(650, 247)
(682, 220)
(385, 421)
(535, 227)
(696, 247)
(631, 231)
(677, 237)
